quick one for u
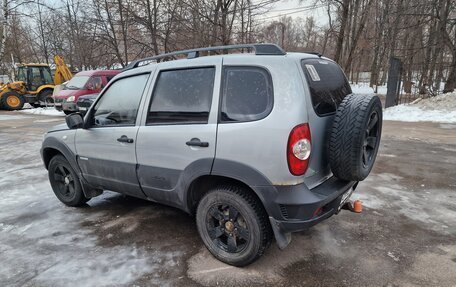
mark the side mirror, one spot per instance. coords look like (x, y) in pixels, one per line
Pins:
(74, 121)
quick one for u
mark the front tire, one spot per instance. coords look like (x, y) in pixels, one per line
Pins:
(12, 101)
(233, 225)
(65, 182)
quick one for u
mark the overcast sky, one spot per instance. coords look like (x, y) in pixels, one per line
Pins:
(296, 8)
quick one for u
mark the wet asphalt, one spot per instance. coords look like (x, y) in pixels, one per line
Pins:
(406, 235)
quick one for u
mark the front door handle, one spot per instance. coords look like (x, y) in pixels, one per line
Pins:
(197, 142)
(125, 139)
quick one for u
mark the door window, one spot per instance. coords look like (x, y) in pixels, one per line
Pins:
(95, 83)
(247, 94)
(35, 78)
(119, 105)
(182, 96)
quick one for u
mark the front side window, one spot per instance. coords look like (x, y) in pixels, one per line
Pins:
(247, 94)
(119, 105)
(327, 83)
(94, 83)
(182, 96)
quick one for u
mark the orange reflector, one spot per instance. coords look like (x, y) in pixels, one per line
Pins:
(357, 206)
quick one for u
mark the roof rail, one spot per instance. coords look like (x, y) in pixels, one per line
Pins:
(315, 53)
(260, 49)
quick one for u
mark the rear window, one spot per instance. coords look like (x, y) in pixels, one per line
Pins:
(247, 94)
(327, 83)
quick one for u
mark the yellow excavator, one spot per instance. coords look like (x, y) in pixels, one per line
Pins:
(34, 85)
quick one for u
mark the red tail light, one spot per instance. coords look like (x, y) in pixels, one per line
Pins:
(298, 149)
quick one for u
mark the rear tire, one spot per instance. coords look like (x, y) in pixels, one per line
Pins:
(233, 225)
(12, 101)
(355, 137)
(45, 98)
(65, 182)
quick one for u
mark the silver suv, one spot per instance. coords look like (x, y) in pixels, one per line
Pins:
(255, 145)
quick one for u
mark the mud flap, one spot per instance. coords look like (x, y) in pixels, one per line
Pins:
(88, 190)
(282, 239)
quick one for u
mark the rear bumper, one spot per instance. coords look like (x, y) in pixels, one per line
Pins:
(297, 208)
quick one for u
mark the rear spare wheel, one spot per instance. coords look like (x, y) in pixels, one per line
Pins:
(355, 137)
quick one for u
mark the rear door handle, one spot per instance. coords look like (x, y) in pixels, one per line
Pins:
(197, 142)
(125, 139)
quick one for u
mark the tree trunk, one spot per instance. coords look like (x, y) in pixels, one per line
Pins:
(340, 38)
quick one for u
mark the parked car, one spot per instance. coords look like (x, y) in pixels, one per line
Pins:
(85, 102)
(254, 145)
(83, 83)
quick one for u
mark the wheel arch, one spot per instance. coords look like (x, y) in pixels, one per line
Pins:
(44, 88)
(52, 147)
(225, 172)
(48, 154)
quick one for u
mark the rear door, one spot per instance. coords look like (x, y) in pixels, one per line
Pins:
(106, 150)
(327, 86)
(178, 139)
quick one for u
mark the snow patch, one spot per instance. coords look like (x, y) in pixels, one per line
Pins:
(51, 111)
(409, 113)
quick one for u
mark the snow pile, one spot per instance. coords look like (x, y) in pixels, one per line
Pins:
(363, 88)
(445, 102)
(50, 111)
(440, 109)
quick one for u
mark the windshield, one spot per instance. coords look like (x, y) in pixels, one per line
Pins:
(21, 74)
(77, 83)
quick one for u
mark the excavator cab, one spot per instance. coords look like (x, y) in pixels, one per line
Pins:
(34, 76)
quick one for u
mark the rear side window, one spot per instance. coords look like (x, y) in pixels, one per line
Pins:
(327, 83)
(182, 96)
(247, 94)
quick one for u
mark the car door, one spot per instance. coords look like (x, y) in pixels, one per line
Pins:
(106, 149)
(177, 141)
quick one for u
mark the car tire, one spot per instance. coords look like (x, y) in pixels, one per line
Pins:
(355, 137)
(233, 225)
(12, 101)
(65, 182)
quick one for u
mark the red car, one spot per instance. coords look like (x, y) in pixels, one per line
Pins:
(83, 83)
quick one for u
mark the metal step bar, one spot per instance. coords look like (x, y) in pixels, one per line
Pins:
(260, 49)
